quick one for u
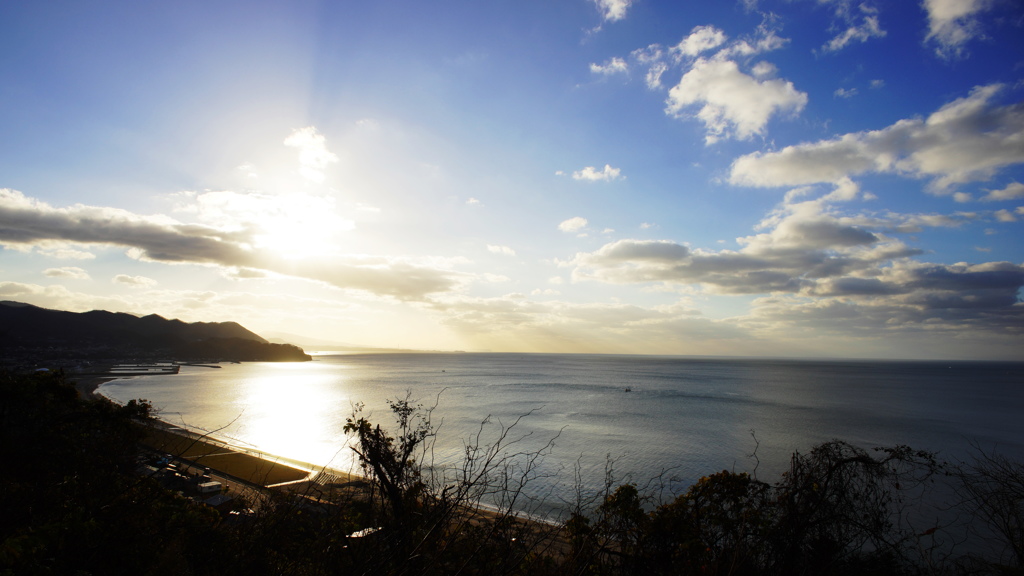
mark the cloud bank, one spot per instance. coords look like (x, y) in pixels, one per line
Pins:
(966, 140)
(816, 262)
(26, 222)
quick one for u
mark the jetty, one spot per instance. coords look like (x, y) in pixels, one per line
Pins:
(135, 370)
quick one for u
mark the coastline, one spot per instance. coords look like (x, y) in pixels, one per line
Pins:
(87, 387)
(689, 416)
(206, 452)
(245, 465)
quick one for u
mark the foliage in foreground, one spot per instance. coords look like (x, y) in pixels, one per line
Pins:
(71, 505)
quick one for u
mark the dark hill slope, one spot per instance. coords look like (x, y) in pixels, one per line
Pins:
(27, 329)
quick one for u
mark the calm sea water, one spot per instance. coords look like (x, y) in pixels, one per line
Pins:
(682, 417)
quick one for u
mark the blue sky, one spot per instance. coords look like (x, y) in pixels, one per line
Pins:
(771, 178)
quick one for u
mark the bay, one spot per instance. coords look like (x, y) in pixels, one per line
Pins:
(675, 418)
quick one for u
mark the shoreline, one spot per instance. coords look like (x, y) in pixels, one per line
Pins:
(224, 455)
(204, 451)
(261, 470)
(243, 464)
(88, 386)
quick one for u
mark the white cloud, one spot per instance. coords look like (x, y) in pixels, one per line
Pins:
(652, 58)
(731, 102)
(764, 40)
(613, 66)
(501, 250)
(313, 153)
(877, 83)
(969, 139)
(368, 124)
(953, 23)
(134, 281)
(763, 69)
(593, 175)
(1005, 216)
(701, 39)
(1013, 191)
(862, 31)
(71, 272)
(613, 10)
(962, 197)
(572, 224)
(473, 202)
(654, 74)
(63, 251)
(845, 92)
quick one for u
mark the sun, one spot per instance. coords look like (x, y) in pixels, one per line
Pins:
(299, 225)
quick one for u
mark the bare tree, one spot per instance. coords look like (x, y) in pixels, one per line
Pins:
(452, 516)
(991, 491)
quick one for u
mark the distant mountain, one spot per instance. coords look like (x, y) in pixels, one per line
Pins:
(30, 330)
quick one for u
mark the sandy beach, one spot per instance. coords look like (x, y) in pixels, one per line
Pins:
(251, 468)
(205, 452)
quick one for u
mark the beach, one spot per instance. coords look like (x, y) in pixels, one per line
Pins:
(203, 452)
(248, 467)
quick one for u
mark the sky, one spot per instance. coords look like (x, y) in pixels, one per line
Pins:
(795, 178)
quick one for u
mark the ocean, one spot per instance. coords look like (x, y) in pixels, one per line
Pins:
(631, 418)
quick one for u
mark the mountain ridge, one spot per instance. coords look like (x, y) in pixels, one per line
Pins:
(32, 330)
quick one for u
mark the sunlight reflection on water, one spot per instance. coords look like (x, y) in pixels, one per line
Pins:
(293, 411)
(286, 409)
(692, 416)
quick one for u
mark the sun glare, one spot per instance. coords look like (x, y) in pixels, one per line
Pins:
(299, 225)
(297, 413)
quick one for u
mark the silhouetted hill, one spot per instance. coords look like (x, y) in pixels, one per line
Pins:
(27, 329)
